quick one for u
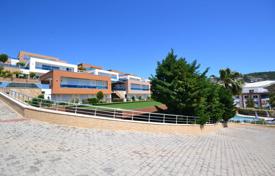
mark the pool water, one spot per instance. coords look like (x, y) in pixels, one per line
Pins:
(243, 119)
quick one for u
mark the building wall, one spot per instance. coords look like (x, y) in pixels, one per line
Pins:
(113, 75)
(57, 75)
(130, 91)
(35, 61)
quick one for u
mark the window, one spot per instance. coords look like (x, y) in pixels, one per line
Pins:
(83, 83)
(120, 87)
(255, 96)
(139, 87)
(52, 67)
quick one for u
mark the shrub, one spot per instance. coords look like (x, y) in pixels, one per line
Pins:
(16, 73)
(4, 58)
(246, 112)
(46, 103)
(32, 75)
(99, 96)
(21, 64)
(117, 100)
(92, 101)
(133, 98)
(40, 96)
(6, 74)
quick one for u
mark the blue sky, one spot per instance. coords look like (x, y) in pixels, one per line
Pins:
(132, 36)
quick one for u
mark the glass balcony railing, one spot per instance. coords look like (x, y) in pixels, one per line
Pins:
(83, 86)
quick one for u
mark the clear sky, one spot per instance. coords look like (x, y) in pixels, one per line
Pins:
(132, 35)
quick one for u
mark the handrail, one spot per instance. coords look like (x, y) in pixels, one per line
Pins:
(115, 113)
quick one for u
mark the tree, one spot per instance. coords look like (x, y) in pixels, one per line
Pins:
(214, 106)
(177, 84)
(4, 58)
(180, 86)
(184, 90)
(227, 103)
(231, 80)
(272, 100)
(99, 95)
(250, 102)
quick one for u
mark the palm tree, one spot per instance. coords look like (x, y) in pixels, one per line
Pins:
(231, 80)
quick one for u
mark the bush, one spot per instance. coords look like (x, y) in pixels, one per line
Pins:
(92, 101)
(40, 96)
(117, 100)
(260, 121)
(246, 112)
(46, 103)
(5, 74)
(16, 73)
(21, 64)
(32, 75)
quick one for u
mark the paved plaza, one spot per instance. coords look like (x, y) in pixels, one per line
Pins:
(29, 147)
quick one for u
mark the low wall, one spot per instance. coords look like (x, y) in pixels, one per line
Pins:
(13, 104)
(85, 121)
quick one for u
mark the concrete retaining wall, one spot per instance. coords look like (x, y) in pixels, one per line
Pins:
(79, 120)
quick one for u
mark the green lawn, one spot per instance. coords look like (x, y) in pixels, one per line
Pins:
(132, 105)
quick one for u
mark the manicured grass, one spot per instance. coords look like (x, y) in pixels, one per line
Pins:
(132, 105)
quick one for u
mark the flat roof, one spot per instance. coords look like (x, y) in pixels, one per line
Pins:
(259, 84)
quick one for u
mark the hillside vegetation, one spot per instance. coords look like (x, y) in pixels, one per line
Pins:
(259, 76)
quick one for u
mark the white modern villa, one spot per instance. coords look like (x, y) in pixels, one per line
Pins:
(258, 91)
(82, 80)
(41, 64)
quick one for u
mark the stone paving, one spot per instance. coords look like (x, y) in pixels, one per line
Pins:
(36, 148)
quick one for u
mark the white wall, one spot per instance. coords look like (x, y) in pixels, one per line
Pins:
(33, 61)
(98, 71)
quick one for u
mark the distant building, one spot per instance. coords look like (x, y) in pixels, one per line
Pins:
(258, 91)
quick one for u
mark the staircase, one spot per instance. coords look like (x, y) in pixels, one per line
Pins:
(119, 95)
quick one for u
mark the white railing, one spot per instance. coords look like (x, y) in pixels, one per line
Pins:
(101, 111)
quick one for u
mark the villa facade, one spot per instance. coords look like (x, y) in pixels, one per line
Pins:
(258, 91)
(74, 86)
(59, 80)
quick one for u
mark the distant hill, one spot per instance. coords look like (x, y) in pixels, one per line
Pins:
(259, 76)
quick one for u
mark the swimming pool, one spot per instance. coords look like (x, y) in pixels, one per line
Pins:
(238, 118)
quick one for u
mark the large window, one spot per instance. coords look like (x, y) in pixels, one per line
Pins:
(52, 67)
(139, 87)
(83, 83)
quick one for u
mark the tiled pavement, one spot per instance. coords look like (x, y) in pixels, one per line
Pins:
(37, 148)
